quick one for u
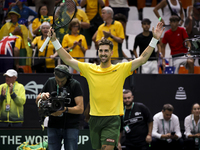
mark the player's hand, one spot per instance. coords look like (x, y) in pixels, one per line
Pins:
(148, 139)
(3, 91)
(59, 113)
(157, 32)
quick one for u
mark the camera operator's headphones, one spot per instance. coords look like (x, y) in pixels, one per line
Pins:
(64, 69)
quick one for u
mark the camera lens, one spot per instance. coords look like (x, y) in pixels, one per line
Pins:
(57, 105)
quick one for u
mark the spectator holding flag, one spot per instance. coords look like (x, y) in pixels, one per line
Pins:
(9, 47)
(13, 28)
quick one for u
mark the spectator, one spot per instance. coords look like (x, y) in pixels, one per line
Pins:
(137, 132)
(166, 132)
(93, 10)
(10, 47)
(119, 6)
(42, 17)
(175, 38)
(192, 128)
(63, 124)
(122, 19)
(13, 28)
(142, 40)
(192, 22)
(49, 50)
(12, 100)
(48, 3)
(114, 31)
(83, 19)
(176, 6)
(74, 42)
(24, 11)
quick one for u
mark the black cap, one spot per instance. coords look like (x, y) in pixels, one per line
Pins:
(197, 5)
(64, 69)
(146, 20)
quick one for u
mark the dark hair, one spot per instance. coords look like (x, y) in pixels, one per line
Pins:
(146, 20)
(59, 74)
(168, 107)
(105, 41)
(62, 71)
(127, 91)
(39, 15)
(193, 105)
(120, 17)
(174, 18)
(73, 23)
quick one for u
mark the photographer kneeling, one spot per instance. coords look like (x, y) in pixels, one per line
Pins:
(62, 100)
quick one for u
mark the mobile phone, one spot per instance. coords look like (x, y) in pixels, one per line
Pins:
(173, 133)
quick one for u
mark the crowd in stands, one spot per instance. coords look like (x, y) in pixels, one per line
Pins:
(24, 29)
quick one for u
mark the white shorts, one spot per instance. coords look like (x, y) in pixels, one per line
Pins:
(177, 61)
(150, 67)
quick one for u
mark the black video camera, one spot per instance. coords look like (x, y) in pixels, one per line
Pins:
(53, 104)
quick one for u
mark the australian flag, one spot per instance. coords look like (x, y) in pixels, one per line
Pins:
(6, 50)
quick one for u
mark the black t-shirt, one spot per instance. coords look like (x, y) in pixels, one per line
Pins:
(73, 88)
(143, 41)
(138, 123)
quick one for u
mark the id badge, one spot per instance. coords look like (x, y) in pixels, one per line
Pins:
(127, 129)
(7, 107)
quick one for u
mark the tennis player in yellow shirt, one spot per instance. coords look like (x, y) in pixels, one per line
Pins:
(106, 85)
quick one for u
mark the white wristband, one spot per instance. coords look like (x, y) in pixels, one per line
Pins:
(153, 42)
(56, 44)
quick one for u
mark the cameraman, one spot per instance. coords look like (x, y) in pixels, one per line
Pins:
(63, 124)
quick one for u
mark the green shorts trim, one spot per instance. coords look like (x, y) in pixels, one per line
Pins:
(104, 130)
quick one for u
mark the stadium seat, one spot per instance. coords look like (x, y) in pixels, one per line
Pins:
(133, 27)
(26, 69)
(196, 69)
(133, 13)
(148, 13)
(182, 70)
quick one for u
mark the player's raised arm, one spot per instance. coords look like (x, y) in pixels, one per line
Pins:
(157, 32)
(64, 55)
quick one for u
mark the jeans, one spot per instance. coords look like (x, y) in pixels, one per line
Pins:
(55, 137)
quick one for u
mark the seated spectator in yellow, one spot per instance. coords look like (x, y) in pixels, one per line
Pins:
(13, 28)
(39, 40)
(42, 17)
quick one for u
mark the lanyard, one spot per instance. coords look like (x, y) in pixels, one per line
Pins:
(193, 125)
(164, 125)
(129, 112)
(57, 89)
